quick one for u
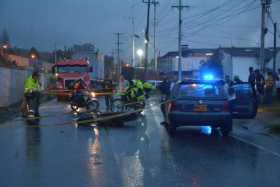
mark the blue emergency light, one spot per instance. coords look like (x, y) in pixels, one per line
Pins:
(208, 77)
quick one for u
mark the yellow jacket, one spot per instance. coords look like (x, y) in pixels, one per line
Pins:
(31, 85)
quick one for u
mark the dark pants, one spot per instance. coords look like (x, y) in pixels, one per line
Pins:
(278, 93)
(268, 95)
(33, 100)
(108, 101)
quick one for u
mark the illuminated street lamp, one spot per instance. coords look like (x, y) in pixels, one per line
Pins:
(33, 56)
(140, 53)
(5, 46)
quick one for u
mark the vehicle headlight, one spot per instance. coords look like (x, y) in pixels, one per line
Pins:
(92, 94)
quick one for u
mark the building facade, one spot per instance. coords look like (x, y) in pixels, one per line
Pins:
(95, 58)
(235, 61)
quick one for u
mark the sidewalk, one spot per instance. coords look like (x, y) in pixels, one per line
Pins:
(267, 121)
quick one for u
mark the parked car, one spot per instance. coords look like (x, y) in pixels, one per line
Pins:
(200, 103)
(244, 103)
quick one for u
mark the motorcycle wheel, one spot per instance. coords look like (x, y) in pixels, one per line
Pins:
(74, 107)
(93, 106)
(118, 105)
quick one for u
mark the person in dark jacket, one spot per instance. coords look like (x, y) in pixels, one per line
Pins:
(260, 82)
(278, 84)
(108, 88)
(164, 87)
(252, 80)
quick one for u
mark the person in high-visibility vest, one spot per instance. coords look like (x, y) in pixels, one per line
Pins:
(32, 91)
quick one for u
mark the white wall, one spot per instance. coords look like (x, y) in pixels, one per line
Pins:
(270, 64)
(189, 63)
(12, 85)
(227, 65)
(240, 66)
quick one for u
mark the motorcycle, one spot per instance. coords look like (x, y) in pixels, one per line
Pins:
(84, 99)
(125, 104)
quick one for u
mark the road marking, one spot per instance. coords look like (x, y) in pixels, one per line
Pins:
(256, 146)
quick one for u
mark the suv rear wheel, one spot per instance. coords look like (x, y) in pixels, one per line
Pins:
(226, 128)
(171, 129)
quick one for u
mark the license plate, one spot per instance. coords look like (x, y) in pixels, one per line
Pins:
(200, 108)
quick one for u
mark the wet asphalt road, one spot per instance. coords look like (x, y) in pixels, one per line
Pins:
(138, 154)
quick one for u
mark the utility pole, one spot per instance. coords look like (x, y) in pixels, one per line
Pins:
(265, 9)
(180, 7)
(133, 42)
(55, 55)
(119, 65)
(275, 47)
(155, 3)
(147, 37)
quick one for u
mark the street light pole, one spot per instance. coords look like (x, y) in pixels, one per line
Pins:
(275, 47)
(180, 7)
(155, 3)
(147, 38)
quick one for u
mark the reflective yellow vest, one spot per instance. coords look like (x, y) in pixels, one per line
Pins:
(31, 85)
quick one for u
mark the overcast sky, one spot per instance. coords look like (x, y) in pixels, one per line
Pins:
(207, 23)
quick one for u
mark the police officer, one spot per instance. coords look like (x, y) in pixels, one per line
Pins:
(32, 91)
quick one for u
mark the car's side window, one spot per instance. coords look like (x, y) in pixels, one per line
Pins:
(174, 92)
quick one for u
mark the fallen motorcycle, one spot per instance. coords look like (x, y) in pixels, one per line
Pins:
(125, 104)
(84, 99)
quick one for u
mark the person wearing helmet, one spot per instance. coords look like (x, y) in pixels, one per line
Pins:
(32, 91)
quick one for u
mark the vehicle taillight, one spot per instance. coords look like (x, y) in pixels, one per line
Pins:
(226, 106)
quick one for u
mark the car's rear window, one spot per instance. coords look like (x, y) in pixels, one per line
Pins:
(199, 91)
(243, 89)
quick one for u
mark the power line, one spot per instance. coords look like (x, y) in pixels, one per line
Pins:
(210, 11)
(228, 15)
(222, 19)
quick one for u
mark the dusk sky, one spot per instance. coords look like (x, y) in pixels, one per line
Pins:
(207, 23)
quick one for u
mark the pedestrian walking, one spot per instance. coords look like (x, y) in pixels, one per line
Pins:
(260, 82)
(278, 84)
(252, 80)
